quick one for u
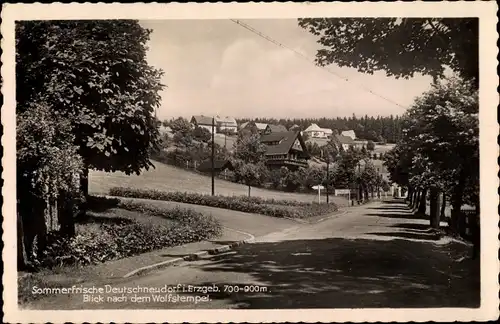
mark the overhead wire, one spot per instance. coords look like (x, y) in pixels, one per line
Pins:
(268, 38)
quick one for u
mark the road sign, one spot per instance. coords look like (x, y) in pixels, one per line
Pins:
(318, 187)
(342, 191)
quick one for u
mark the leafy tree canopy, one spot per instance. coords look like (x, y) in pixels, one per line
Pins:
(95, 74)
(399, 46)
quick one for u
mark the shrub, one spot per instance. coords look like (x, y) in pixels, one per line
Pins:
(270, 207)
(96, 243)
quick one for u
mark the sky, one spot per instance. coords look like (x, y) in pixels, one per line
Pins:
(218, 67)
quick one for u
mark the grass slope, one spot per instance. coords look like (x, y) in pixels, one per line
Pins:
(171, 179)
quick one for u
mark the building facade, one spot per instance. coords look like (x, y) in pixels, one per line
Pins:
(285, 149)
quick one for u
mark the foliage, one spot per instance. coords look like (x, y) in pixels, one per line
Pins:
(440, 146)
(93, 73)
(313, 149)
(202, 134)
(96, 243)
(251, 174)
(370, 146)
(275, 208)
(345, 174)
(368, 128)
(401, 47)
(47, 159)
(248, 148)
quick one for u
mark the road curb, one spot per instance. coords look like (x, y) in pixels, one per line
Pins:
(187, 258)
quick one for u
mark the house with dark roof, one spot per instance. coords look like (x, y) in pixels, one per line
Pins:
(204, 122)
(285, 149)
(274, 129)
(261, 127)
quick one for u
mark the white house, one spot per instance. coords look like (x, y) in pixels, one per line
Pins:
(314, 131)
(344, 141)
(349, 133)
(204, 122)
(227, 124)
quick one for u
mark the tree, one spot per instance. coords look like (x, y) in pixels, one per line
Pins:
(202, 134)
(251, 174)
(370, 146)
(439, 150)
(399, 46)
(95, 74)
(249, 148)
(47, 163)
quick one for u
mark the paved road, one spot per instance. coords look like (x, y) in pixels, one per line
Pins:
(375, 255)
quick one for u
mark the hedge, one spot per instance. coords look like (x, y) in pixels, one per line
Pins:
(101, 242)
(269, 207)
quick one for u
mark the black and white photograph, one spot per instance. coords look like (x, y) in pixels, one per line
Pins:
(320, 162)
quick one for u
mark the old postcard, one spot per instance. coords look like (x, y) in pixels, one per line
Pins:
(278, 162)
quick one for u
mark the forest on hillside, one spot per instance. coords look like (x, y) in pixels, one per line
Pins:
(379, 129)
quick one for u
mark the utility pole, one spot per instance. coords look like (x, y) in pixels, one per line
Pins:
(213, 156)
(327, 176)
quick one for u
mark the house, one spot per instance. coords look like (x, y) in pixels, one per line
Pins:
(219, 166)
(314, 131)
(226, 124)
(274, 129)
(349, 133)
(344, 142)
(294, 128)
(261, 127)
(165, 130)
(204, 122)
(285, 149)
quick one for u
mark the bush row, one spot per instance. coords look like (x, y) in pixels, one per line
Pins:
(98, 242)
(275, 208)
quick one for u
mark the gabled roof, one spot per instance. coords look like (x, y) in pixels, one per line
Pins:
(275, 128)
(285, 139)
(294, 127)
(349, 133)
(344, 139)
(316, 128)
(202, 120)
(227, 121)
(313, 128)
(261, 126)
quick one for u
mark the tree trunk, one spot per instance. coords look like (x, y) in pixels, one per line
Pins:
(65, 214)
(249, 191)
(409, 197)
(422, 205)
(434, 208)
(84, 187)
(457, 218)
(443, 207)
(22, 258)
(416, 199)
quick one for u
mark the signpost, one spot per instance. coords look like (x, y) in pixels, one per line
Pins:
(318, 187)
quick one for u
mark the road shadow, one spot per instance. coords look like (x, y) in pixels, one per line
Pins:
(402, 215)
(429, 236)
(344, 273)
(417, 227)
